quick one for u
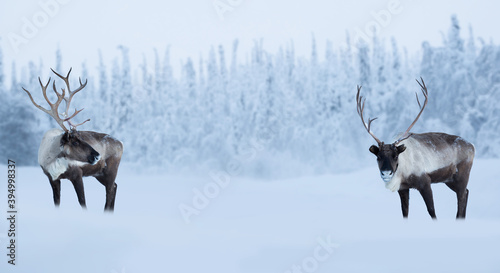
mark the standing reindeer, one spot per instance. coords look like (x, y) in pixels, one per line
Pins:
(422, 159)
(72, 154)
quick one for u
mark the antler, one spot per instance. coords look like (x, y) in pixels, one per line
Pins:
(407, 134)
(53, 112)
(70, 97)
(53, 106)
(361, 106)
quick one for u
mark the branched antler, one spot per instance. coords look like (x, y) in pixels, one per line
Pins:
(53, 112)
(360, 107)
(53, 106)
(70, 97)
(407, 133)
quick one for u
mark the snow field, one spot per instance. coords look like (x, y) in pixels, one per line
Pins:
(254, 225)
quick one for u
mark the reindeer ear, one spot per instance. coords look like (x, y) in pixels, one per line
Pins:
(374, 150)
(401, 148)
(65, 138)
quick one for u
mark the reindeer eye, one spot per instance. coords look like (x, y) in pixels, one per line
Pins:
(74, 143)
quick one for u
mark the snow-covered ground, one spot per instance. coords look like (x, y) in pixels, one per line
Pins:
(333, 223)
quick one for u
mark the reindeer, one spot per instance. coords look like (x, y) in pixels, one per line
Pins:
(422, 159)
(71, 154)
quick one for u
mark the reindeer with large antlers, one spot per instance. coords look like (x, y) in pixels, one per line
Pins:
(417, 160)
(71, 154)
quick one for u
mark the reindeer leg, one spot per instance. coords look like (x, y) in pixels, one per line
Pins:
(108, 182)
(114, 197)
(462, 203)
(462, 196)
(110, 197)
(77, 181)
(405, 199)
(56, 190)
(459, 185)
(107, 179)
(426, 193)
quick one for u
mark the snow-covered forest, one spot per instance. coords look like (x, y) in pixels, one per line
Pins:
(274, 111)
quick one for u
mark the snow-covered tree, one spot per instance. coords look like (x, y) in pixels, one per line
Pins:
(276, 108)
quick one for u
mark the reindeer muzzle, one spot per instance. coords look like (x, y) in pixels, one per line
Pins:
(93, 158)
(386, 175)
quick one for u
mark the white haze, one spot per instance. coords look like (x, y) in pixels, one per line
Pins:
(253, 225)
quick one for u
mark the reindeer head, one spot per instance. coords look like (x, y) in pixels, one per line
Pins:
(72, 146)
(387, 159)
(388, 154)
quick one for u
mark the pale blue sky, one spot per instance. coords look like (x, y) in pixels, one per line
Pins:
(190, 27)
